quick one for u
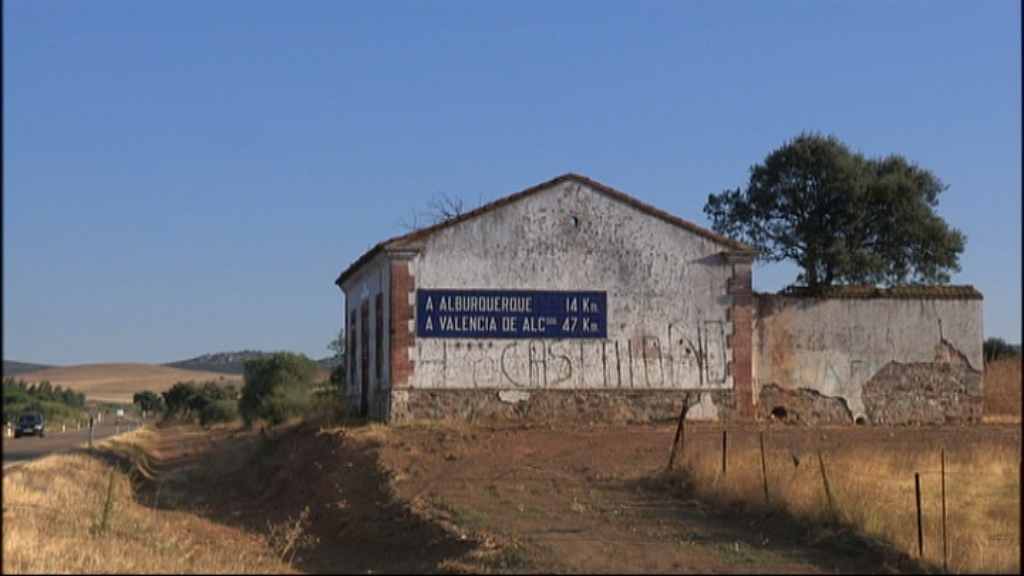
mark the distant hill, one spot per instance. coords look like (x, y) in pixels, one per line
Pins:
(231, 363)
(224, 362)
(118, 382)
(12, 368)
(234, 362)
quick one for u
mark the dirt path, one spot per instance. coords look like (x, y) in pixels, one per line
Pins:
(584, 499)
(566, 499)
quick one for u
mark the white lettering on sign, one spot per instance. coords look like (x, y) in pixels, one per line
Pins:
(514, 304)
(510, 314)
(468, 323)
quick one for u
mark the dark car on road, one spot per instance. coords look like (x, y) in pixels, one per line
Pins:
(30, 423)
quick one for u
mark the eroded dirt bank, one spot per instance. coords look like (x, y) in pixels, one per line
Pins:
(505, 498)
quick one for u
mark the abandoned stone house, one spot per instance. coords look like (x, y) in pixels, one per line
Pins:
(573, 300)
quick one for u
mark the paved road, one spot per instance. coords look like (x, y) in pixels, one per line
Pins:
(18, 450)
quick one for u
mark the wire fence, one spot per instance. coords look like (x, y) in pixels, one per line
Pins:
(909, 495)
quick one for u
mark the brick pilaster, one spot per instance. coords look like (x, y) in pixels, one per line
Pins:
(402, 313)
(740, 314)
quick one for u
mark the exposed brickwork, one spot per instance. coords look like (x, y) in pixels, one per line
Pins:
(402, 313)
(740, 314)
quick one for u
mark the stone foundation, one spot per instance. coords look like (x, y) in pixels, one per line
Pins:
(541, 405)
(802, 406)
(913, 393)
(924, 393)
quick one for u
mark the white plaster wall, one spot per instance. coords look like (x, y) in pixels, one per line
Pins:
(665, 285)
(834, 346)
(372, 279)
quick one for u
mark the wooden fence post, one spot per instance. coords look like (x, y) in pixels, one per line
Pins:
(945, 541)
(764, 470)
(920, 532)
(828, 489)
(725, 449)
(678, 442)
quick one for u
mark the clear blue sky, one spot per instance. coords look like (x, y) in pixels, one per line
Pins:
(184, 177)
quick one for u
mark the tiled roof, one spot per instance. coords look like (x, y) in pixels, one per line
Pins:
(915, 292)
(410, 238)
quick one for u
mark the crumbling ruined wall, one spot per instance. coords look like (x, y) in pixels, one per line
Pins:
(804, 406)
(945, 391)
(897, 356)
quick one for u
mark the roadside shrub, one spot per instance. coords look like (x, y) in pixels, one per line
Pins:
(277, 387)
(995, 349)
(335, 404)
(218, 412)
(339, 377)
(286, 403)
(148, 401)
(178, 398)
(190, 398)
(56, 403)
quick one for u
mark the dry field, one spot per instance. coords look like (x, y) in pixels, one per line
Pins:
(117, 383)
(1002, 382)
(436, 497)
(312, 497)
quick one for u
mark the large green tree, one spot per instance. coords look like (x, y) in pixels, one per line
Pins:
(841, 217)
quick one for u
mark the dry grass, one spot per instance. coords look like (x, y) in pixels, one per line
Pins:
(875, 493)
(77, 513)
(1002, 383)
(117, 383)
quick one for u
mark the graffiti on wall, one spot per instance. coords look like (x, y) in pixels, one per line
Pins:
(832, 359)
(827, 375)
(684, 356)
